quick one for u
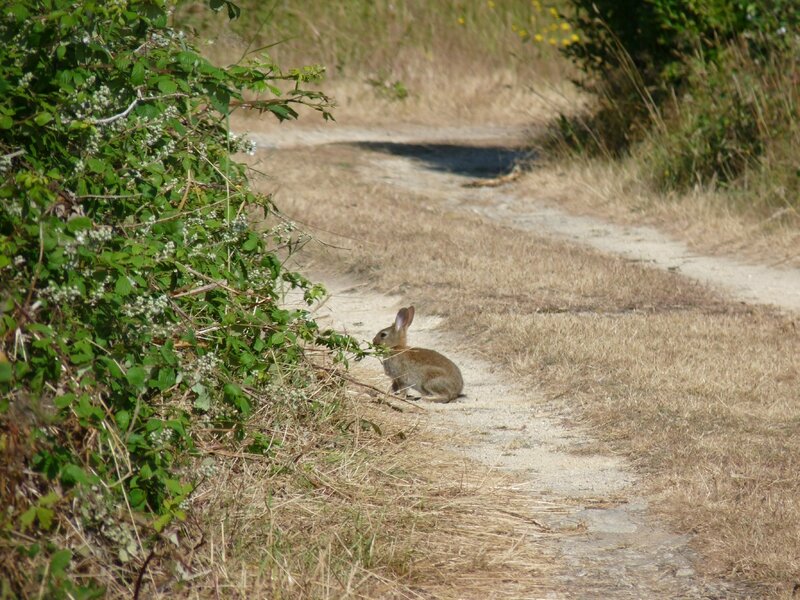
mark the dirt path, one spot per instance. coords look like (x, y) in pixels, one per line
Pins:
(438, 163)
(609, 546)
(606, 544)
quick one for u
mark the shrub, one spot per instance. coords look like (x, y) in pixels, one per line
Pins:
(637, 55)
(734, 124)
(138, 307)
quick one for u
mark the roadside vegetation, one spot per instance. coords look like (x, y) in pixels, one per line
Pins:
(701, 100)
(685, 117)
(169, 425)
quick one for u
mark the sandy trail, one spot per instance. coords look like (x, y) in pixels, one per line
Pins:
(607, 543)
(439, 162)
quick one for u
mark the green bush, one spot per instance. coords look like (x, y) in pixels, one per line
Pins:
(656, 37)
(707, 85)
(733, 126)
(638, 55)
(138, 307)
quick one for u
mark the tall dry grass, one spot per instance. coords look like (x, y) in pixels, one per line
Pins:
(351, 502)
(410, 60)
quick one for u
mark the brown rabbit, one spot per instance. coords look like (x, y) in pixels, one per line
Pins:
(430, 373)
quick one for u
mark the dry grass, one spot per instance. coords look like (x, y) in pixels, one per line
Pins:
(699, 393)
(357, 504)
(705, 220)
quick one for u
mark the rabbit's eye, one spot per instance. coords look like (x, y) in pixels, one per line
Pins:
(383, 334)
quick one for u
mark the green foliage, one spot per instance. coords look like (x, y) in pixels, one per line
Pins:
(735, 128)
(138, 307)
(657, 36)
(703, 83)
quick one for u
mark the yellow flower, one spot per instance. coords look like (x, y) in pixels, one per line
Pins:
(538, 37)
(565, 26)
(552, 41)
(553, 27)
(575, 38)
(523, 33)
(490, 4)
(554, 12)
(566, 42)
(460, 20)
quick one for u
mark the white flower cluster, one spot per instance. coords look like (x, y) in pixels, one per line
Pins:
(167, 252)
(286, 394)
(205, 366)
(92, 238)
(189, 231)
(283, 229)
(5, 163)
(60, 294)
(97, 293)
(25, 80)
(208, 469)
(147, 308)
(96, 513)
(97, 103)
(163, 437)
(236, 229)
(240, 143)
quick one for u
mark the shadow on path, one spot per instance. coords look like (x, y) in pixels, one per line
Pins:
(471, 161)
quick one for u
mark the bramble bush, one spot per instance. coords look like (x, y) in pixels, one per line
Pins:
(696, 80)
(139, 309)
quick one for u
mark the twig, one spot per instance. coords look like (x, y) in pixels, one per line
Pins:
(186, 193)
(199, 290)
(532, 521)
(373, 388)
(137, 588)
(14, 154)
(121, 115)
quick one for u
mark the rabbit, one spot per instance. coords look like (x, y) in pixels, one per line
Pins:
(430, 373)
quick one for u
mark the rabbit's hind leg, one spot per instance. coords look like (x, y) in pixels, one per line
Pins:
(438, 390)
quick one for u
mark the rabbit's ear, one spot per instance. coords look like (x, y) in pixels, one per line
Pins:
(402, 320)
(410, 315)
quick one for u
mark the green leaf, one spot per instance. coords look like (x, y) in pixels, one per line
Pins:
(43, 118)
(137, 498)
(138, 73)
(45, 517)
(72, 474)
(162, 522)
(59, 561)
(166, 378)
(6, 372)
(167, 86)
(6, 122)
(251, 243)
(123, 419)
(112, 366)
(136, 376)
(203, 401)
(64, 401)
(123, 286)
(79, 224)
(27, 518)
(81, 352)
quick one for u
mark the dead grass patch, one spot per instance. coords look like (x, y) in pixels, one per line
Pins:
(359, 505)
(700, 394)
(707, 221)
